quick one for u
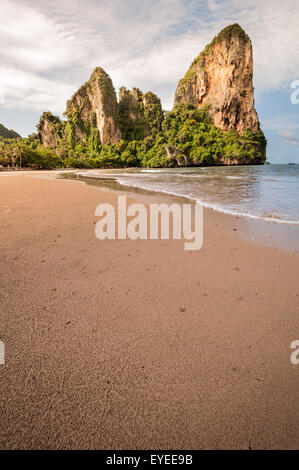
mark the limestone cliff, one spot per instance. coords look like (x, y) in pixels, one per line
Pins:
(140, 113)
(213, 121)
(92, 110)
(94, 117)
(50, 129)
(221, 77)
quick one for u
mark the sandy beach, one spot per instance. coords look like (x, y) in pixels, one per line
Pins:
(122, 344)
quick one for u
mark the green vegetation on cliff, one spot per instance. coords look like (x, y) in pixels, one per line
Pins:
(187, 137)
(82, 125)
(100, 131)
(140, 114)
(131, 116)
(56, 125)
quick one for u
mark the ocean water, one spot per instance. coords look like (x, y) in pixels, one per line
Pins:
(269, 192)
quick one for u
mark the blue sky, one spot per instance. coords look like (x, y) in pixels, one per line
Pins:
(48, 49)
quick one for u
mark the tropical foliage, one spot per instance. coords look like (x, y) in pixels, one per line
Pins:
(187, 136)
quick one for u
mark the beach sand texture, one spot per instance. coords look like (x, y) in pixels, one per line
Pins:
(139, 344)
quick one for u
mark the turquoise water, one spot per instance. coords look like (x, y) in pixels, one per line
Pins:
(269, 192)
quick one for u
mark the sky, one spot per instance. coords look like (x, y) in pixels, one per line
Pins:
(49, 49)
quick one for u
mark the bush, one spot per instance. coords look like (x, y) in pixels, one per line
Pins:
(189, 130)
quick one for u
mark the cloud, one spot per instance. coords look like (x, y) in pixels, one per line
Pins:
(289, 121)
(32, 40)
(57, 45)
(48, 49)
(26, 90)
(289, 137)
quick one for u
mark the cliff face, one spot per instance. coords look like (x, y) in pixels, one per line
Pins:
(8, 133)
(140, 114)
(213, 121)
(94, 108)
(94, 117)
(49, 129)
(221, 76)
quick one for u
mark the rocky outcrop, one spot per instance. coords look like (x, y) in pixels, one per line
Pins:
(94, 117)
(50, 129)
(221, 77)
(94, 108)
(8, 133)
(140, 114)
(175, 157)
(213, 121)
(153, 112)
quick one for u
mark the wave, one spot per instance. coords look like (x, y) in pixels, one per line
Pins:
(154, 171)
(272, 218)
(182, 175)
(215, 206)
(109, 175)
(235, 177)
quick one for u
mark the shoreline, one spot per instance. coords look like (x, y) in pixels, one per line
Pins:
(123, 344)
(279, 235)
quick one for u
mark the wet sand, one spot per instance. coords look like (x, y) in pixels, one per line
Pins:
(122, 344)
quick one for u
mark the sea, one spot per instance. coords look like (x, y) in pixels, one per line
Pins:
(268, 192)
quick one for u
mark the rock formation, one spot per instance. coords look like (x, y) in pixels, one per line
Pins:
(8, 133)
(94, 106)
(221, 77)
(175, 157)
(94, 117)
(213, 121)
(50, 129)
(140, 113)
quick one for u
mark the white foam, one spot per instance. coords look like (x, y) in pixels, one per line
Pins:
(234, 212)
(235, 177)
(94, 174)
(154, 171)
(209, 205)
(215, 206)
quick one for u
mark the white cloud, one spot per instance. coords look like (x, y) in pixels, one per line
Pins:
(48, 49)
(287, 121)
(289, 137)
(23, 89)
(32, 40)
